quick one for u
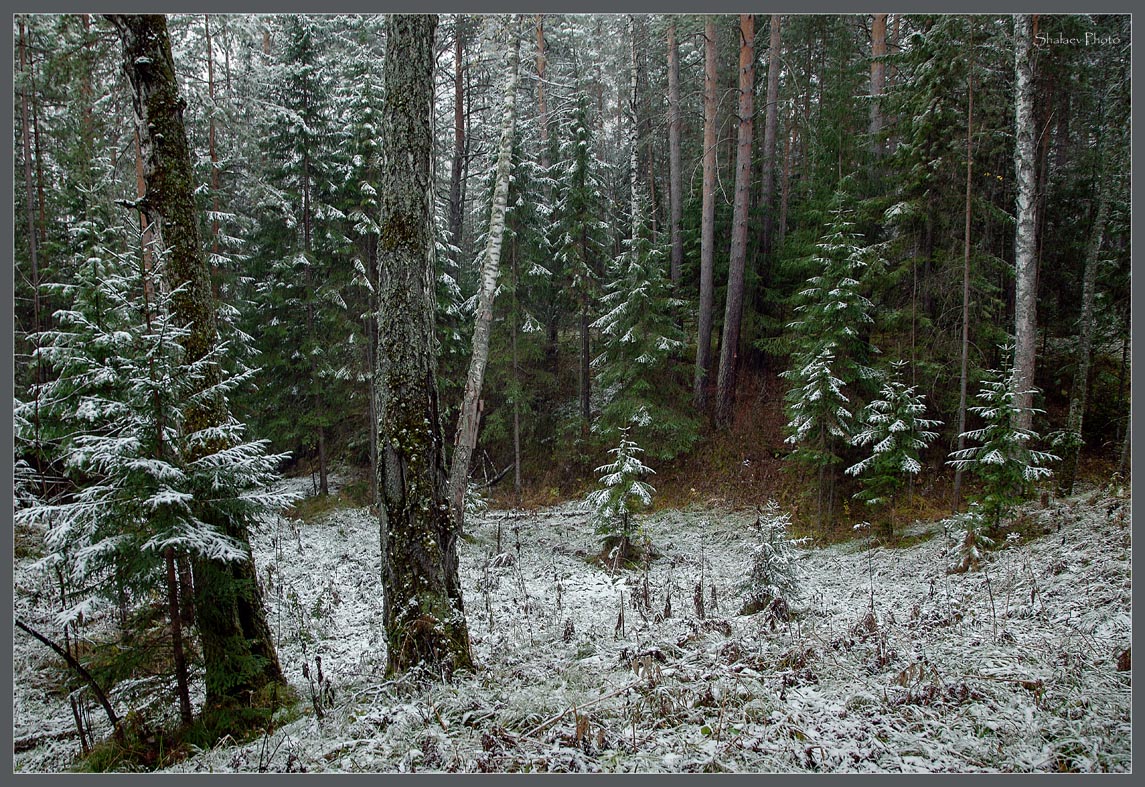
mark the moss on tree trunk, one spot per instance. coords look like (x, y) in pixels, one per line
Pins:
(238, 652)
(424, 616)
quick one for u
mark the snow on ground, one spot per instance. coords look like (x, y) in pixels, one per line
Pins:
(1009, 669)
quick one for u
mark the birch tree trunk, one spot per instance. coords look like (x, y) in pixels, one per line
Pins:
(468, 418)
(675, 208)
(733, 311)
(423, 613)
(770, 128)
(238, 650)
(707, 223)
(1025, 262)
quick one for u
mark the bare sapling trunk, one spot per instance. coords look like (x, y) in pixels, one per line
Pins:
(733, 310)
(707, 223)
(468, 419)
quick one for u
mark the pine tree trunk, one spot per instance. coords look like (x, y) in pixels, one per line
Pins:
(424, 616)
(1025, 262)
(29, 196)
(707, 223)
(516, 382)
(238, 652)
(1077, 399)
(177, 655)
(675, 206)
(770, 129)
(878, 78)
(468, 418)
(585, 366)
(733, 311)
(211, 148)
(964, 372)
(456, 209)
(542, 104)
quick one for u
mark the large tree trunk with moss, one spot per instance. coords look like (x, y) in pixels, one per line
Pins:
(468, 420)
(238, 651)
(424, 617)
(733, 308)
(1025, 259)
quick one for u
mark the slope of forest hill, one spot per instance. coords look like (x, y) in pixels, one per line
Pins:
(888, 663)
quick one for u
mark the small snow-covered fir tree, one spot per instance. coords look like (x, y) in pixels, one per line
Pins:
(969, 540)
(820, 421)
(621, 495)
(771, 576)
(893, 426)
(1003, 461)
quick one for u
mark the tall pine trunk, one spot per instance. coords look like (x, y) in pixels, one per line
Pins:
(878, 79)
(468, 419)
(964, 369)
(1025, 260)
(238, 652)
(770, 129)
(456, 209)
(707, 223)
(423, 613)
(675, 207)
(733, 310)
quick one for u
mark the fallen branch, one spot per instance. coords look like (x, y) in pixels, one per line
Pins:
(546, 724)
(496, 478)
(81, 671)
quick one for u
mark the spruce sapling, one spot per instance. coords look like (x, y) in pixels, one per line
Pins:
(1002, 461)
(622, 494)
(893, 426)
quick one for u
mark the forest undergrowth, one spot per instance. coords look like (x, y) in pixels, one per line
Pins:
(887, 663)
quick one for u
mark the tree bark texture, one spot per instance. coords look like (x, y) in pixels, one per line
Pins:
(468, 419)
(675, 206)
(238, 651)
(733, 310)
(707, 223)
(878, 78)
(770, 129)
(456, 209)
(1025, 260)
(424, 617)
(964, 373)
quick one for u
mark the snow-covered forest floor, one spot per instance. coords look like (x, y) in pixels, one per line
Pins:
(1014, 668)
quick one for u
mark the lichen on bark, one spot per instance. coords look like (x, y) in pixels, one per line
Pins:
(423, 615)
